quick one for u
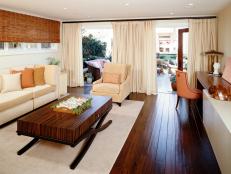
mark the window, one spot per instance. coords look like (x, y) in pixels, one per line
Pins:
(45, 45)
(14, 45)
(11, 48)
(1, 45)
(31, 45)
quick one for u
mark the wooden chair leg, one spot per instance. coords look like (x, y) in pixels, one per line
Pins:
(178, 99)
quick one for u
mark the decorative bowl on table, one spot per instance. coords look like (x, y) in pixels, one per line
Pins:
(73, 105)
(220, 92)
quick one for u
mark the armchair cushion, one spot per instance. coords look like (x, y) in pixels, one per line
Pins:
(111, 78)
(106, 88)
(116, 69)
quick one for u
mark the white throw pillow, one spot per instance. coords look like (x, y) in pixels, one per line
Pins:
(11, 82)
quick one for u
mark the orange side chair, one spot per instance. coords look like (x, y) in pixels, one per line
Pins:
(183, 88)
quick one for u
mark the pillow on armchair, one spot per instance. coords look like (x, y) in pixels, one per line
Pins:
(111, 78)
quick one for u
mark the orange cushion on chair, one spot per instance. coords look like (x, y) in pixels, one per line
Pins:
(39, 76)
(111, 78)
(27, 78)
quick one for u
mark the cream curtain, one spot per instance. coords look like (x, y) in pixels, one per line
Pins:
(72, 60)
(134, 44)
(202, 38)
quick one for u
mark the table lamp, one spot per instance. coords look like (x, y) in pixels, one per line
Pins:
(213, 57)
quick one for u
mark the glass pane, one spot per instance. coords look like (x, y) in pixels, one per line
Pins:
(1, 45)
(31, 45)
(46, 45)
(15, 45)
(185, 50)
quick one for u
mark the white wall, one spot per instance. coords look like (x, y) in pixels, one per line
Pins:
(15, 60)
(224, 31)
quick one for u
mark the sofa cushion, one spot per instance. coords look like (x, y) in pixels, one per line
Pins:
(106, 88)
(28, 78)
(116, 68)
(14, 98)
(11, 82)
(111, 78)
(41, 90)
(39, 78)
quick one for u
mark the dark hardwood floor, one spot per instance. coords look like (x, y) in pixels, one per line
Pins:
(164, 140)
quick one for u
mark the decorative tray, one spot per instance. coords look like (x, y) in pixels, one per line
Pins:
(73, 105)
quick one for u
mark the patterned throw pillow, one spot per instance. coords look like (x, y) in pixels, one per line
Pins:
(39, 78)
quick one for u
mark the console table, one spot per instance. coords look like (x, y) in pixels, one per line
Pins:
(216, 119)
(205, 80)
(217, 122)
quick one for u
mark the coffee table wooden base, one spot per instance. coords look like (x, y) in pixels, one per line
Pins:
(89, 135)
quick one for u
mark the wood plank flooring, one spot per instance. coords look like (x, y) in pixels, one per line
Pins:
(164, 140)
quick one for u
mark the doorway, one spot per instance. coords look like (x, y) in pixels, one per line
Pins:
(172, 52)
(182, 49)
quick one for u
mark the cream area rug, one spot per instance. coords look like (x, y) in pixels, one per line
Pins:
(48, 158)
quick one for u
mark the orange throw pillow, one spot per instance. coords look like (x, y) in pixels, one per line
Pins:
(111, 78)
(27, 78)
(39, 76)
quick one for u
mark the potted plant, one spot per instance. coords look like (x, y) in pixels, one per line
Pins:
(53, 61)
(89, 77)
(173, 82)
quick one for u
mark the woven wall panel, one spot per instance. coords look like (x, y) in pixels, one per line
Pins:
(15, 27)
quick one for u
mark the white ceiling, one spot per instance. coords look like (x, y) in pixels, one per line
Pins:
(113, 9)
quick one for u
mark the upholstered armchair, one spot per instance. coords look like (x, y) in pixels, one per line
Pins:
(115, 82)
(183, 88)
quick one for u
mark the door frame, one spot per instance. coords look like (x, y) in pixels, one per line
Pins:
(180, 47)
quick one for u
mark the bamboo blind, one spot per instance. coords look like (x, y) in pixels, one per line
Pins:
(15, 27)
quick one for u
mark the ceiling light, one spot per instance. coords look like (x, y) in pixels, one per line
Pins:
(189, 5)
(127, 4)
(171, 13)
(64, 8)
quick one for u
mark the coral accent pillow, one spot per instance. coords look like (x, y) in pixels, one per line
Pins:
(11, 82)
(15, 71)
(111, 78)
(227, 71)
(39, 78)
(28, 78)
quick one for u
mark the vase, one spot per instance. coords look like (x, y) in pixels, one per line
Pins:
(89, 80)
(174, 86)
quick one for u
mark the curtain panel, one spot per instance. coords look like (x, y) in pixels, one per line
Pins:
(72, 60)
(134, 44)
(202, 38)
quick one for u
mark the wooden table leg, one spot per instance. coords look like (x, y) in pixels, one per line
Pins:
(89, 141)
(28, 146)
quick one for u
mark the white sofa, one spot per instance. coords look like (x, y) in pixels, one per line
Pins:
(15, 104)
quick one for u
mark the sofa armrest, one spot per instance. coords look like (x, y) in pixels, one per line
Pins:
(51, 74)
(98, 81)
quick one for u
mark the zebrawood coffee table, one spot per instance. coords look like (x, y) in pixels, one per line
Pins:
(68, 129)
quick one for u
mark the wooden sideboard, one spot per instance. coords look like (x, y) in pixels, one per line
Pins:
(216, 119)
(205, 80)
(217, 123)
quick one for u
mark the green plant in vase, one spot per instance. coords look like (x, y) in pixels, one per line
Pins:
(89, 77)
(53, 61)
